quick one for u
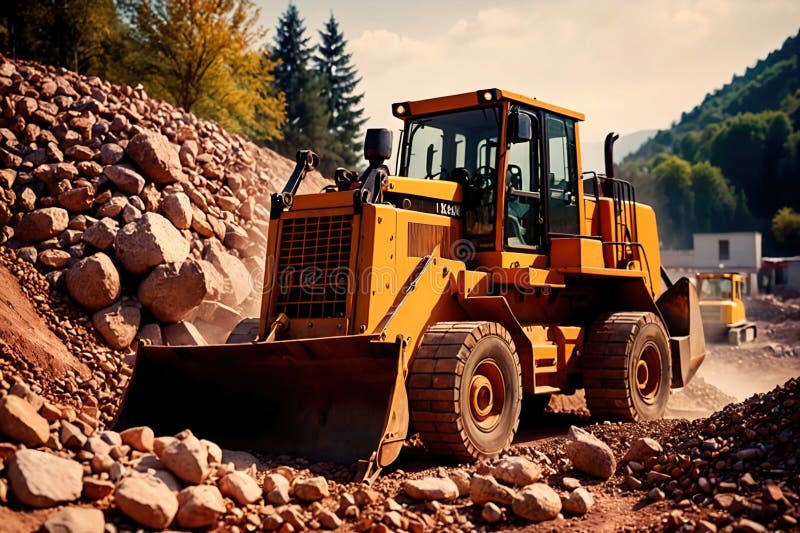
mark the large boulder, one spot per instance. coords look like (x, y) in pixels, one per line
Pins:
(589, 454)
(125, 178)
(431, 488)
(39, 479)
(171, 291)
(42, 224)
(187, 459)
(118, 324)
(238, 284)
(484, 489)
(102, 233)
(76, 520)
(311, 489)
(241, 487)
(149, 241)
(155, 156)
(537, 502)
(178, 209)
(20, 422)
(94, 282)
(199, 506)
(147, 500)
(517, 471)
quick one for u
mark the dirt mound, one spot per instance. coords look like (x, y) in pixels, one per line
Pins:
(741, 462)
(93, 170)
(697, 399)
(771, 308)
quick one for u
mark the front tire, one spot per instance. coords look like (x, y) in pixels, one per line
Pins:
(627, 368)
(465, 389)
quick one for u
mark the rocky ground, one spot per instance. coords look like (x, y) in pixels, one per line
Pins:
(112, 203)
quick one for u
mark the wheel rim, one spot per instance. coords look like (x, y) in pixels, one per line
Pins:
(648, 374)
(486, 395)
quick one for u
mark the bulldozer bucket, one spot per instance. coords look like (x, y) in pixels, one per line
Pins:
(680, 309)
(330, 399)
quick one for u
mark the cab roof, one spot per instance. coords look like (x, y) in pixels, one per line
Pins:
(472, 99)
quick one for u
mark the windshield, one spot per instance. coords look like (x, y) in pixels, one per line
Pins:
(436, 145)
(715, 289)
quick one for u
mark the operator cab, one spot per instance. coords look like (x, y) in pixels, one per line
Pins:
(515, 159)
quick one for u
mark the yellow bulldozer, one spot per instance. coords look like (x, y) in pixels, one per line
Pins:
(722, 308)
(486, 270)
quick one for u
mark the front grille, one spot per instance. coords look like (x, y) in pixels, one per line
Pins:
(313, 266)
(711, 313)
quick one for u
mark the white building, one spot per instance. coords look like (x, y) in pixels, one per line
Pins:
(721, 252)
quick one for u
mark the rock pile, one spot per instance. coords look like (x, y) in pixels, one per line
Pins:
(52, 457)
(742, 462)
(140, 211)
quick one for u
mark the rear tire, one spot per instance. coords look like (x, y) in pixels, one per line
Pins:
(465, 389)
(627, 367)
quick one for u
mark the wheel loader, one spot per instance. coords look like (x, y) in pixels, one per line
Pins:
(485, 270)
(722, 308)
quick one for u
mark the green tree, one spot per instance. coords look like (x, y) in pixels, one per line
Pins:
(306, 126)
(83, 35)
(674, 176)
(199, 55)
(714, 202)
(786, 228)
(340, 80)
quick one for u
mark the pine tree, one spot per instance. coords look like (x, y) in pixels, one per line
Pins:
(340, 77)
(306, 124)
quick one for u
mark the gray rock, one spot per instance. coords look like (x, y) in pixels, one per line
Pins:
(149, 241)
(94, 282)
(39, 479)
(157, 158)
(589, 454)
(536, 502)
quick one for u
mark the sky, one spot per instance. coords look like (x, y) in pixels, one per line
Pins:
(627, 65)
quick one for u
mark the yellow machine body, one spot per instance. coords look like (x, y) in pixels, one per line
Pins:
(722, 307)
(352, 289)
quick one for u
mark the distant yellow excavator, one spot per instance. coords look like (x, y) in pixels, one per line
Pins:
(488, 268)
(722, 308)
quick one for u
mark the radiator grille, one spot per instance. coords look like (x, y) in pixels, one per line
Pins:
(711, 313)
(313, 266)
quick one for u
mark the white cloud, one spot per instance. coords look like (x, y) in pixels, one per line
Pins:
(628, 65)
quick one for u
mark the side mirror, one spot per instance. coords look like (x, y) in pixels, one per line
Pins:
(520, 128)
(429, 160)
(378, 146)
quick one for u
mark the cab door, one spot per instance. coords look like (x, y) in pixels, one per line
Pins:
(562, 175)
(523, 221)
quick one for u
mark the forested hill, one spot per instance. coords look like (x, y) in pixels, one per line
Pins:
(733, 162)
